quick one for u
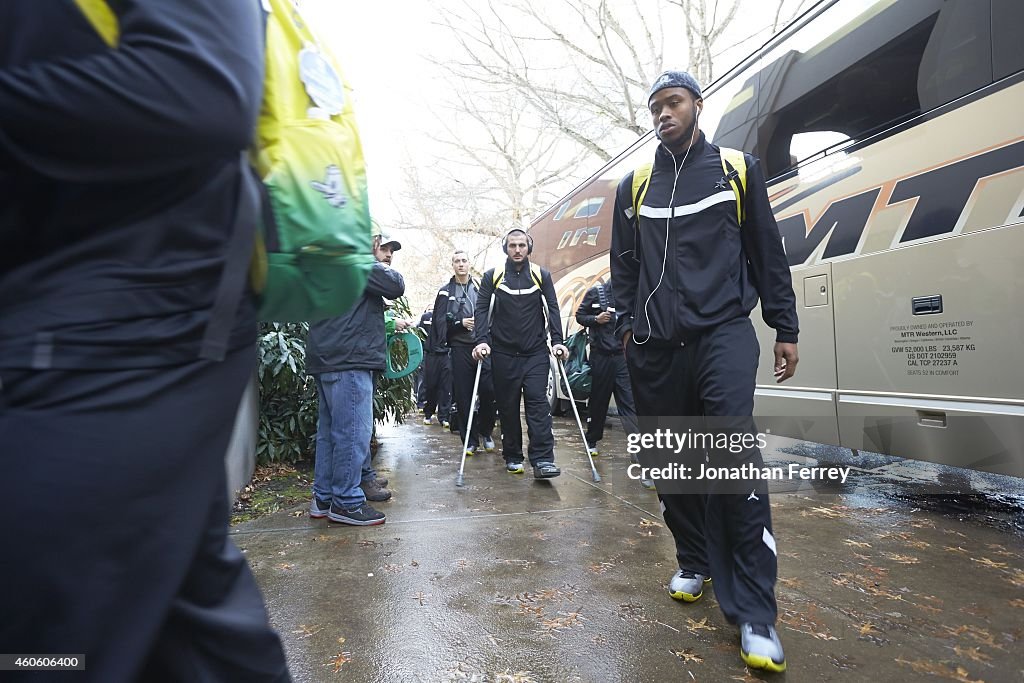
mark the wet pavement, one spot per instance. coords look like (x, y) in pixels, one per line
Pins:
(907, 572)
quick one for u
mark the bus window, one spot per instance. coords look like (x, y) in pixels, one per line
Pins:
(561, 210)
(589, 208)
(857, 69)
(1007, 47)
(729, 117)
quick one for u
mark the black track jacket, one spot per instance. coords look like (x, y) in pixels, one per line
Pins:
(602, 337)
(518, 324)
(451, 308)
(715, 269)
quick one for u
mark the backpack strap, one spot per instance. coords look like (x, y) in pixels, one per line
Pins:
(537, 279)
(103, 20)
(734, 163)
(641, 181)
(534, 275)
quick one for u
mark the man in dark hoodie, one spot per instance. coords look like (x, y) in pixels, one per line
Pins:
(524, 322)
(455, 304)
(342, 354)
(127, 337)
(689, 262)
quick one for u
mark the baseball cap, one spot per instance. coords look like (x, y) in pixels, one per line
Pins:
(386, 240)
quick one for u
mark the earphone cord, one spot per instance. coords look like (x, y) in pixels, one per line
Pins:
(671, 203)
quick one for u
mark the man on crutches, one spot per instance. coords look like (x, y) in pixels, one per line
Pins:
(516, 332)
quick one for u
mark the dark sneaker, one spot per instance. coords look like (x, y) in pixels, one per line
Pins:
(364, 515)
(381, 481)
(545, 470)
(318, 509)
(687, 586)
(514, 468)
(374, 491)
(760, 647)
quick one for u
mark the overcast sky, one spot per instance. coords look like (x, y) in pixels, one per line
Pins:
(384, 50)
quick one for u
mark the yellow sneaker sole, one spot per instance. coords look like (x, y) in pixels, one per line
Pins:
(688, 597)
(762, 662)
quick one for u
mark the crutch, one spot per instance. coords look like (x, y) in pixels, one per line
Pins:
(579, 422)
(469, 421)
(472, 401)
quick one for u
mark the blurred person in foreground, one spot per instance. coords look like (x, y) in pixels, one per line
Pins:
(127, 214)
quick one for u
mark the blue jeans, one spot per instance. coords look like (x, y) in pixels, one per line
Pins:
(343, 436)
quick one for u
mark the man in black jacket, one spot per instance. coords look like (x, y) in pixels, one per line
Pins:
(607, 364)
(342, 354)
(689, 264)
(456, 302)
(525, 315)
(436, 391)
(122, 190)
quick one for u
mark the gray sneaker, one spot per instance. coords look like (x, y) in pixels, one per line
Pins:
(374, 491)
(687, 586)
(760, 647)
(488, 444)
(364, 515)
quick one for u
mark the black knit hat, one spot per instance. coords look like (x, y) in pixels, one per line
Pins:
(675, 79)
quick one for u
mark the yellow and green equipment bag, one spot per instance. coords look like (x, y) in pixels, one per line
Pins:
(313, 250)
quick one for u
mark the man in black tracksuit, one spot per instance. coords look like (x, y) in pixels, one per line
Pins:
(436, 389)
(607, 364)
(691, 348)
(455, 304)
(525, 313)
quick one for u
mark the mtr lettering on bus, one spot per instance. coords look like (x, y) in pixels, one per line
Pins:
(844, 221)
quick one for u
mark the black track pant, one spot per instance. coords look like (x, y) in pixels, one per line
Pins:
(609, 374)
(525, 376)
(437, 385)
(726, 535)
(115, 525)
(463, 374)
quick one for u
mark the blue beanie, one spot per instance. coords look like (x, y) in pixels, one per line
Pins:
(675, 79)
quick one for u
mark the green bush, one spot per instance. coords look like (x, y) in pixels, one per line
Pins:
(288, 402)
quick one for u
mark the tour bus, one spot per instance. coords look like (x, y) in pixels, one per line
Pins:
(892, 137)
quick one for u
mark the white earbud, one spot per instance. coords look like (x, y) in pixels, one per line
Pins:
(668, 220)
